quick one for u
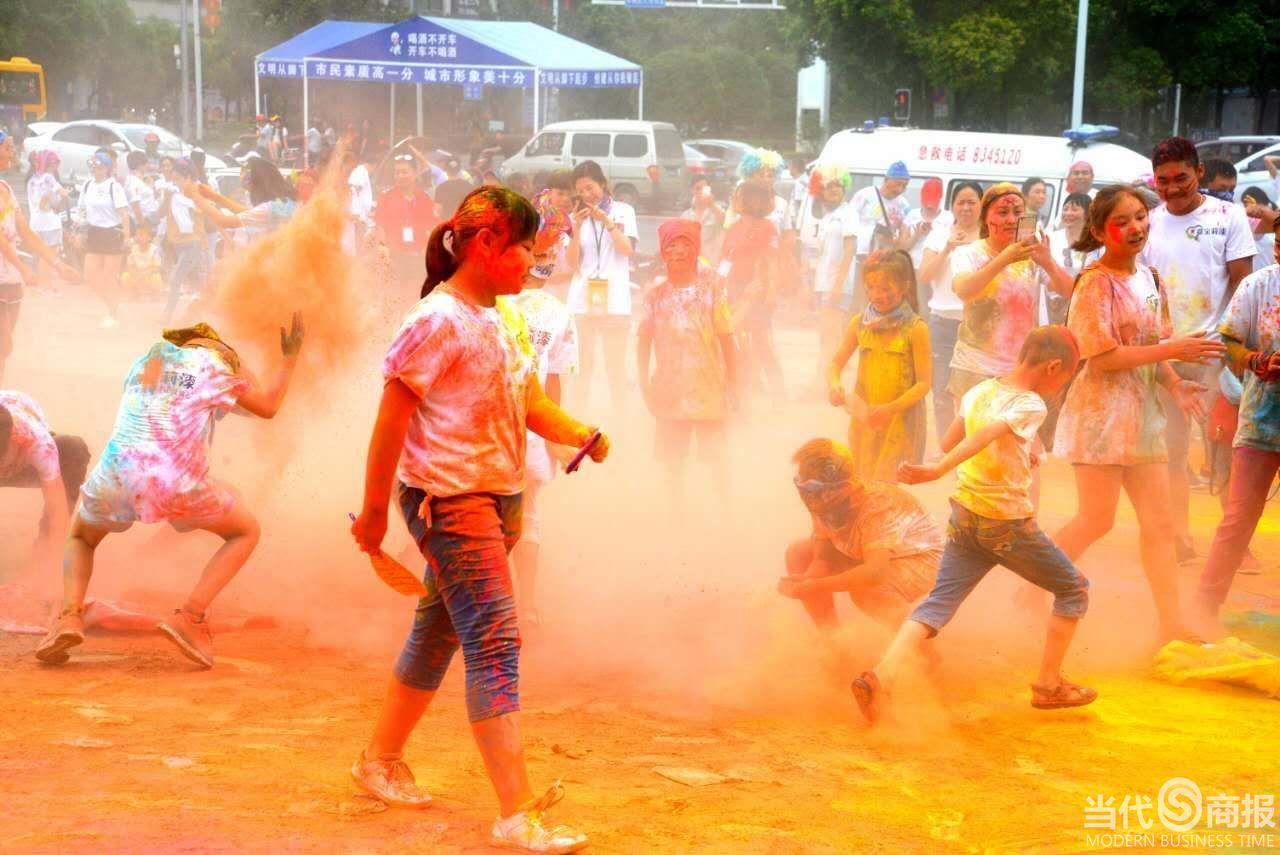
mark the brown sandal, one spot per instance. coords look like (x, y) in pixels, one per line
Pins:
(1065, 694)
(867, 692)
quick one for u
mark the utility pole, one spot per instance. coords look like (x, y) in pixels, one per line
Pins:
(195, 31)
(1077, 90)
(186, 72)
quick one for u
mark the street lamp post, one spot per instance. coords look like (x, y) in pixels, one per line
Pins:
(1077, 89)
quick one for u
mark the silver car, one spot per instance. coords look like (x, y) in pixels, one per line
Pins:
(75, 142)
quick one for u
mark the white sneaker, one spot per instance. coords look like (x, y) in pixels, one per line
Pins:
(524, 829)
(390, 781)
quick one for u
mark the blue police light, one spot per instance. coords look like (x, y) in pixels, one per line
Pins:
(869, 126)
(1085, 134)
(884, 121)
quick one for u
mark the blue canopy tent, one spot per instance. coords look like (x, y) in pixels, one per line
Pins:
(445, 52)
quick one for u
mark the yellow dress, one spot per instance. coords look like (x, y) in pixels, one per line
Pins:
(886, 369)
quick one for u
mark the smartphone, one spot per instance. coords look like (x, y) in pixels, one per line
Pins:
(1026, 227)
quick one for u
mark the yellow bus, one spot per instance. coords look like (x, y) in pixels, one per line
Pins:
(22, 88)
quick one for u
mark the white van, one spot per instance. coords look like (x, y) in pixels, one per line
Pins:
(632, 154)
(961, 155)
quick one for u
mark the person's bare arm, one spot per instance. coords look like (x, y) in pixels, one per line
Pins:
(835, 368)
(1237, 270)
(11, 255)
(32, 241)
(216, 215)
(265, 400)
(931, 264)
(222, 201)
(58, 518)
(396, 408)
(1195, 348)
(874, 567)
(545, 418)
(952, 435)
(730, 351)
(1060, 280)
(848, 251)
(962, 451)
(1272, 163)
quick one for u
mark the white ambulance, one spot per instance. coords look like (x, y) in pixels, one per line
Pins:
(961, 155)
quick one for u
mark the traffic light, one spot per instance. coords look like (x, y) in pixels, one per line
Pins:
(902, 105)
(211, 13)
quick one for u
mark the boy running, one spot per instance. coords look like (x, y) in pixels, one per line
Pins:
(992, 520)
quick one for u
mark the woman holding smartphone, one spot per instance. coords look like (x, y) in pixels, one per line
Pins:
(999, 279)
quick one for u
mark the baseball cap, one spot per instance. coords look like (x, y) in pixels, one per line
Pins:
(931, 192)
(898, 169)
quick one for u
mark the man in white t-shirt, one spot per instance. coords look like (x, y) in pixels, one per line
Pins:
(884, 208)
(1080, 179)
(1201, 247)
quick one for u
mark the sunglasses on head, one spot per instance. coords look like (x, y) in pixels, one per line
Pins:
(403, 158)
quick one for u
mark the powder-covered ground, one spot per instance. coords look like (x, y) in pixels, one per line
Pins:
(665, 648)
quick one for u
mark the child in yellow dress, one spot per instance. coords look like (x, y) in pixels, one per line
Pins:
(894, 371)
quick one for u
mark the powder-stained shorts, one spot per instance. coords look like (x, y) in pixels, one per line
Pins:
(470, 601)
(975, 544)
(114, 501)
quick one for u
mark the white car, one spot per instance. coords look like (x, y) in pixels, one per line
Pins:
(75, 142)
(1251, 167)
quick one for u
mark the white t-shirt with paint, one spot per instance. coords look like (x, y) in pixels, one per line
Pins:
(142, 193)
(470, 367)
(1190, 253)
(41, 187)
(942, 222)
(600, 259)
(30, 442)
(866, 204)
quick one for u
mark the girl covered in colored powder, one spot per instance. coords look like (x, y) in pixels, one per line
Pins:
(461, 388)
(1112, 423)
(999, 278)
(894, 371)
(749, 265)
(155, 468)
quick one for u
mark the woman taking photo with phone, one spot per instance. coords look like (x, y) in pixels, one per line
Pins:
(599, 254)
(999, 279)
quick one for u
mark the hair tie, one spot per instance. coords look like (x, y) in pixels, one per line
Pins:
(447, 240)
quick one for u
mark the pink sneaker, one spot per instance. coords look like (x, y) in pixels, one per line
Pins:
(192, 637)
(67, 633)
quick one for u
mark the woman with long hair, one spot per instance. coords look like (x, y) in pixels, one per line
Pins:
(272, 200)
(461, 389)
(1112, 424)
(46, 200)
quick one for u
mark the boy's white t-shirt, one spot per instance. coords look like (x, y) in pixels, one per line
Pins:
(554, 336)
(139, 191)
(1190, 253)
(38, 188)
(996, 482)
(600, 259)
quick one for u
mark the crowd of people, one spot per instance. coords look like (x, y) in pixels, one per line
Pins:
(1101, 336)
